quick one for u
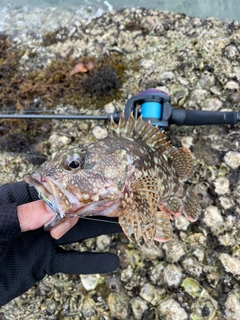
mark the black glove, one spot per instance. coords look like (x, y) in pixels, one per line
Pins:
(34, 254)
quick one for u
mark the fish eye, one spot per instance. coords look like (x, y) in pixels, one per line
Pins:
(73, 162)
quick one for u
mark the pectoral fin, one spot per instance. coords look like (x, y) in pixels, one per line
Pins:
(139, 208)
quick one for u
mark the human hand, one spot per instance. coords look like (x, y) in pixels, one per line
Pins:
(34, 215)
(27, 259)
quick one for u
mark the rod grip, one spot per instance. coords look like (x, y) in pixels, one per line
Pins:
(199, 117)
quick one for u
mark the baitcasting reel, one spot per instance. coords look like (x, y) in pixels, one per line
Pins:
(153, 105)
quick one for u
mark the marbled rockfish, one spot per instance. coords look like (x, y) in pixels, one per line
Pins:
(134, 174)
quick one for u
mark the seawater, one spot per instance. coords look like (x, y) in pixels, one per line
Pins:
(226, 10)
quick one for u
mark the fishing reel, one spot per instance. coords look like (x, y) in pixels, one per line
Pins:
(153, 105)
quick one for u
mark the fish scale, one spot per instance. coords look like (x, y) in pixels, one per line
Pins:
(134, 174)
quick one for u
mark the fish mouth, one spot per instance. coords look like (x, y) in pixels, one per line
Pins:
(66, 205)
(52, 193)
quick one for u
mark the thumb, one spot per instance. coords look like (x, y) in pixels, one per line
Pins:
(74, 262)
(34, 215)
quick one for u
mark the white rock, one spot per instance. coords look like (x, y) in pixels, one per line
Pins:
(138, 307)
(174, 250)
(232, 159)
(226, 239)
(212, 104)
(146, 64)
(213, 218)
(90, 281)
(231, 85)
(233, 306)
(109, 108)
(167, 75)
(99, 132)
(207, 80)
(226, 202)
(192, 266)
(172, 275)
(181, 223)
(103, 242)
(171, 309)
(221, 185)
(199, 254)
(58, 142)
(127, 274)
(230, 263)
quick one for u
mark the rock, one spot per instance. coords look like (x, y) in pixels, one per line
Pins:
(103, 242)
(90, 281)
(207, 80)
(221, 185)
(109, 108)
(153, 252)
(57, 142)
(148, 293)
(146, 64)
(174, 250)
(212, 104)
(232, 159)
(213, 218)
(127, 274)
(118, 304)
(181, 223)
(192, 287)
(192, 266)
(171, 309)
(99, 132)
(232, 305)
(139, 306)
(231, 264)
(172, 275)
(226, 202)
(156, 274)
(231, 85)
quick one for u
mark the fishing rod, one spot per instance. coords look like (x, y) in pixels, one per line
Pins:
(153, 105)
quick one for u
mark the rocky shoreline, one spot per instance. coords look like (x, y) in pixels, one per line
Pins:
(196, 275)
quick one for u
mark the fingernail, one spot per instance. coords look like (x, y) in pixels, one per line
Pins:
(61, 229)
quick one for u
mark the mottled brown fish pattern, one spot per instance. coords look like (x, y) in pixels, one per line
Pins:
(134, 174)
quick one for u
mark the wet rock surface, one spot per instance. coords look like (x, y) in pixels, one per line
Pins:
(195, 275)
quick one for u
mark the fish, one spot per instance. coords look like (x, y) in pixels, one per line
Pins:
(134, 173)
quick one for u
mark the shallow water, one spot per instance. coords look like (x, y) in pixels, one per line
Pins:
(222, 9)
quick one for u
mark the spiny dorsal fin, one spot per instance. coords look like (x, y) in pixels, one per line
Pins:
(138, 129)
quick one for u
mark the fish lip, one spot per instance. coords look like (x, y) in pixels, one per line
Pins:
(37, 184)
(47, 190)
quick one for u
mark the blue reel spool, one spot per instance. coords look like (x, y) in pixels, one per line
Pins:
(152, 110)
(155, 106)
